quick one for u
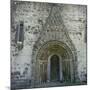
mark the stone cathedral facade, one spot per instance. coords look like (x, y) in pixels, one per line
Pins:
(48, 44)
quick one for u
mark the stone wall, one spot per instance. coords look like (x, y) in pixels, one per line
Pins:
(34, 16)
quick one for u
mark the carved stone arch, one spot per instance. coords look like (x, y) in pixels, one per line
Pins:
(42, 53)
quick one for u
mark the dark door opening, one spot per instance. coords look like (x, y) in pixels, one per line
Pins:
(54, 74)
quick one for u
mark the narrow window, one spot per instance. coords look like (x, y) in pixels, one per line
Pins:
(20, 35)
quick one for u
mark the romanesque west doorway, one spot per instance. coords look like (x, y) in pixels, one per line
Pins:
(54, 69)
(54, 62)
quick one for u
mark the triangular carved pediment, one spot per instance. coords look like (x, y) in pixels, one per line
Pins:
(54, 29)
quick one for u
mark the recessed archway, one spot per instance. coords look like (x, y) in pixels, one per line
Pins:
(43, 69)
(54, 68)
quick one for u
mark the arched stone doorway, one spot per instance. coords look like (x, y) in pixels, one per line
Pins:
(54, 68)
(44, 61)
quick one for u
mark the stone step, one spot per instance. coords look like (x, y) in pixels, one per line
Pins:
(56, 84)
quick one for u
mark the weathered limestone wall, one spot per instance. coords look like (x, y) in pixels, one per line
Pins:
(74, 17)
(34, 16)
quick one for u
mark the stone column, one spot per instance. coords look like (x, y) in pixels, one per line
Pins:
(71, 70)
(60, 66)
(48, 71)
